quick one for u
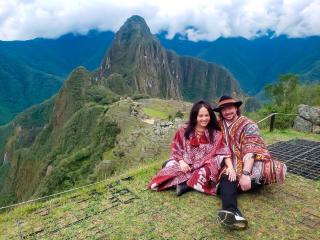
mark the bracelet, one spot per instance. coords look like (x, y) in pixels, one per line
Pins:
(245, 172)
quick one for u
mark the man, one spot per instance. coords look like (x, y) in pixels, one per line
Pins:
(251, 159)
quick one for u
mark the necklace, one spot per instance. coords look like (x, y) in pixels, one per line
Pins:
(199, 133)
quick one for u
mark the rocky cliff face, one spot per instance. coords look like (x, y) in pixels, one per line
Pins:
(201, 80)
(146, 67)
(141, 61)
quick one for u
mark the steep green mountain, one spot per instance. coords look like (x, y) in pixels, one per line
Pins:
(144, 66)
(57, 143)
(32, 71)
(91, 129)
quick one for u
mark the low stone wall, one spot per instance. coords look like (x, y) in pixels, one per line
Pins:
(308, 119)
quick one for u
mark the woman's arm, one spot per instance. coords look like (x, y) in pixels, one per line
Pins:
(230, 170)
(178, 149)
(178, 145)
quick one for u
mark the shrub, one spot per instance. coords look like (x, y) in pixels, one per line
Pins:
(179, 114)
(140, 96)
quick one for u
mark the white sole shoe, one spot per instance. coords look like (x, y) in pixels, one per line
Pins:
(231, 220)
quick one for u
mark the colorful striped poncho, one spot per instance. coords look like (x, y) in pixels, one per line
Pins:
(203, 157)
(244, 140)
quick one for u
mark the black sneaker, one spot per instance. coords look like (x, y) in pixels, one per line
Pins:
(226, 218)
(182, 188)
(240, 221)
(232, 219)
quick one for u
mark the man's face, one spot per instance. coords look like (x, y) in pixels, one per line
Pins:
(229, 113)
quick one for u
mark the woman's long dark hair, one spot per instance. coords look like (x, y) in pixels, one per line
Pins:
(212, 125)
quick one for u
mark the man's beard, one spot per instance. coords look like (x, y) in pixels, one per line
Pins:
(234, 118)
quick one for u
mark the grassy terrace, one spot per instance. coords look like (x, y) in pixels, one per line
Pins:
(122, 208)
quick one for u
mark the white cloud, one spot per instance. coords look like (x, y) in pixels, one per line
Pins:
(197, 20)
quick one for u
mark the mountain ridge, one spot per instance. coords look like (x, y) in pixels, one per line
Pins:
(242, 63)
(255, 62)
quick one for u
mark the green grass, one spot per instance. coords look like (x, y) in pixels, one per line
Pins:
(122, 208)
(155, 113)
(108, 155)
(162, 109)
(287, 134)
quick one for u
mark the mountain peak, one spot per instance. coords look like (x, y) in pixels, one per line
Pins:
(134, 26)
(136, 19)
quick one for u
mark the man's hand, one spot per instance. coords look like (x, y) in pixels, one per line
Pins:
(184, 166)
(245, 182)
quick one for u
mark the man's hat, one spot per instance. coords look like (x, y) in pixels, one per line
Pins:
(226, 101)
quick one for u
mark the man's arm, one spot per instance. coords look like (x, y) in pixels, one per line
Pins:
(248, 161)
(245, 180)
(251, 133)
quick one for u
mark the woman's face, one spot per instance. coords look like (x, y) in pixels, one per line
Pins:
(203, 117)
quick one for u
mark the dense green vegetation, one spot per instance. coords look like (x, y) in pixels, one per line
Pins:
(82, 145)
(285, 96)
(57, 144)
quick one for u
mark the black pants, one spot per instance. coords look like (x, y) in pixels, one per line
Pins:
(229, 191)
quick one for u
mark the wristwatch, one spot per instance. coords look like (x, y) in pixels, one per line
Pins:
(245, 172)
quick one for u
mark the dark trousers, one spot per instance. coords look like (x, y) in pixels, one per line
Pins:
(229, 191)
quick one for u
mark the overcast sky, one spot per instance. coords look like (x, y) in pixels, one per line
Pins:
(210, 19)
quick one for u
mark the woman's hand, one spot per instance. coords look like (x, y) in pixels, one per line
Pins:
(184, 166)
(231, 173)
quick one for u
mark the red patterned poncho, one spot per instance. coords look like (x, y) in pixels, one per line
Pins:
(244, 139)
(204, 158)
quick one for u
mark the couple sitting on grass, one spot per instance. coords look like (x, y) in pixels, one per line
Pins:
(227, 156)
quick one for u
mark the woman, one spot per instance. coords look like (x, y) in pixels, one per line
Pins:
(198, 152)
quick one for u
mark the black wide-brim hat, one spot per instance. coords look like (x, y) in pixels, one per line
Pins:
(227, 101)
